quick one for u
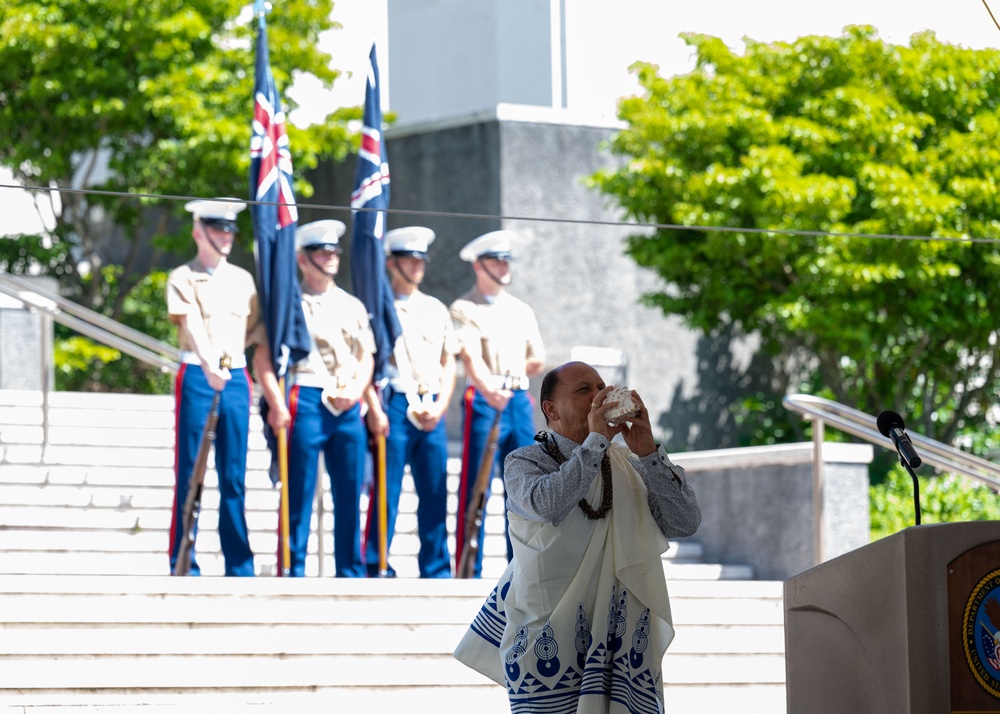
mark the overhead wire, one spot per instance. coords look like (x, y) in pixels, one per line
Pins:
(796, 232)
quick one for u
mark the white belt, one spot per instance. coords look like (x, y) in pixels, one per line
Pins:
(410, 386)
(322, 381)
(499, 381)
(236, 361)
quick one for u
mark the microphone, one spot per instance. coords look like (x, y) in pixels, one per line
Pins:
(890, 424)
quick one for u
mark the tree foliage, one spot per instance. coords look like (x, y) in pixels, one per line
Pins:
(843, 134)
(149, 98)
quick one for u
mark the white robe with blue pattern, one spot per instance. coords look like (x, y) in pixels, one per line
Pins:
(580, 620)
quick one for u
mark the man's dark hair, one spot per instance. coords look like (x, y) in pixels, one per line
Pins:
(549, 383)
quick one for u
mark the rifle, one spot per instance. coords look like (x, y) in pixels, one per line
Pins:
(475, 513)
(192, 504)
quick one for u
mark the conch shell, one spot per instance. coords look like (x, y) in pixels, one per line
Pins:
(625, 409)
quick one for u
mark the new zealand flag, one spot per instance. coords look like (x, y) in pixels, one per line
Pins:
(371, 191)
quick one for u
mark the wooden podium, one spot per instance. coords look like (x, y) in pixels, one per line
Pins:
(910, 623)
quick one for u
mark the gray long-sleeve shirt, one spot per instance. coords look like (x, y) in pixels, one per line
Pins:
(541, 490)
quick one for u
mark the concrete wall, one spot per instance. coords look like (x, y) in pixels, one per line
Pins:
(454, 57)
(757, 504)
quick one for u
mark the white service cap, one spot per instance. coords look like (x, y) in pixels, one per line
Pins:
(412, 241)
(495, 244)
(219, 213)
(320, 234)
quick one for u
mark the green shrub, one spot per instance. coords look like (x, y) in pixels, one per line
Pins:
(943, 499)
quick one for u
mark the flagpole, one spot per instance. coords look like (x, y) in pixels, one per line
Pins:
(368, 277)
(383, 511)
(283, 516)
(261, 8)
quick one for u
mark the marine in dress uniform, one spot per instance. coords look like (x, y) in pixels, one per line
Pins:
(214, 305)
(422, 380)
(501, 349)
(323, 413)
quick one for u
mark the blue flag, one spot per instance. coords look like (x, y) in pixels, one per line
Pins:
(371, 191)
(274, 220)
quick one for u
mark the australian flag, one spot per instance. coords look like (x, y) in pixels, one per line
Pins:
(371, 191)
(274, 216)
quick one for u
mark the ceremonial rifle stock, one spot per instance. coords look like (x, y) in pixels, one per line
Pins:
(475, 513)
(192, 504)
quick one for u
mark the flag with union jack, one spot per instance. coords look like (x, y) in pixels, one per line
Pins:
(371, 192)
(274, 215)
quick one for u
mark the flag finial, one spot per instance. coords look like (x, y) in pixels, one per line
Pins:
(261, 8)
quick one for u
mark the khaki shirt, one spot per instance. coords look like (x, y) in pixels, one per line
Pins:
(504, 332)
(338, 323)
(428, 332)
(225, 300)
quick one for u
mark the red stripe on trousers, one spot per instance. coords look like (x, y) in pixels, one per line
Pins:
(178, 381)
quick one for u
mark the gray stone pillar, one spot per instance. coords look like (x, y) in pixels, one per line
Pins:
(26, 343)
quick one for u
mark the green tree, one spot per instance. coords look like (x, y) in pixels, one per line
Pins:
(151, 98)
(844, 134)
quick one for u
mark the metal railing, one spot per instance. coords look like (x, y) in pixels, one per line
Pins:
(857, 423)
(53, 307)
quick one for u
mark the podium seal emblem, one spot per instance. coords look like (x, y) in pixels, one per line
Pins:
(981, 632)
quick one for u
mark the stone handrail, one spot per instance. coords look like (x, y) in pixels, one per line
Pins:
(92, 324)
(937, 454)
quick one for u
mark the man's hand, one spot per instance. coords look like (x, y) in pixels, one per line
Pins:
(638, 433)
(498, 398)
(217, 376)
(278, 417)
(376, 419)
(596, 420)
(347, 396)
(342, 403)
(430, 416)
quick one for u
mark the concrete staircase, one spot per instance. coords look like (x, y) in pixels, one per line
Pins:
(90, 617)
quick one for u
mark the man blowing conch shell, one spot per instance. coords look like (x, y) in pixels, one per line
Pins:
(580, 620)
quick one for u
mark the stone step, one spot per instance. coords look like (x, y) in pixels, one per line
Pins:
(87, 401)
(150, 497)
(485, 698)
(83, 586)
(131, 519)
(354, 669)
(264, 590)
(111, 430)
(211, 563)
(68, 610)
(49, 638)
(146, 633)
(404, 543)
(146, 476)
